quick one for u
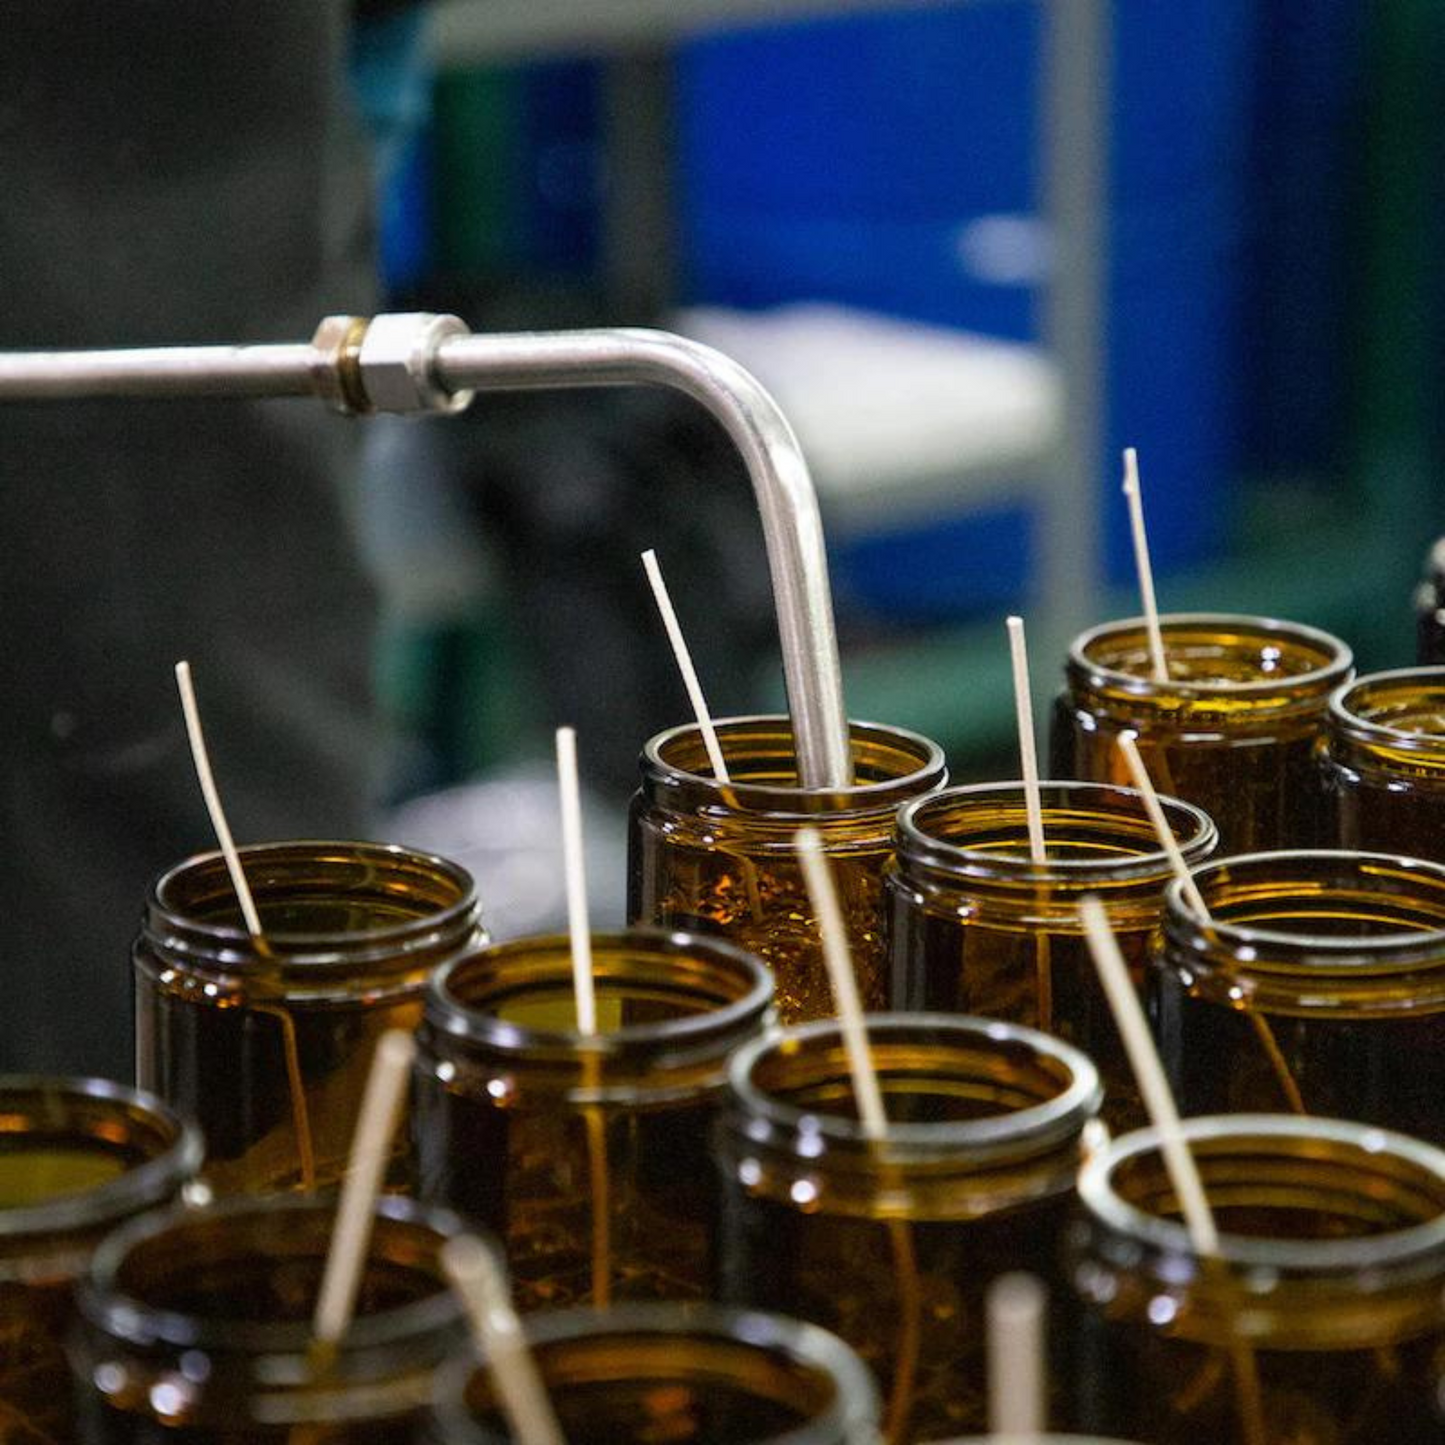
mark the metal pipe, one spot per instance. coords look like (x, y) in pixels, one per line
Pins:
(159, 371)
(786, 500)
(427, 363)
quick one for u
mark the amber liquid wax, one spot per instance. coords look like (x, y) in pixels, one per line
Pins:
(34, 1316)
(268, 1045)
(214, 1402)
(1179, 1387)
(1233, 730)
(843, 1273)
(671, 1410)
(594, 1204)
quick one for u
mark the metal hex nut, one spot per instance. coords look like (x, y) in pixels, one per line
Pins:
(395, 360)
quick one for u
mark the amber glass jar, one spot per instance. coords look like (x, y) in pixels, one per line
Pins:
(1323, 1318)
(270, 1049)
(976, 927)
(719, 858)
(1319, 985)
(77, 1158)
(1383, 763)
(586, 1156)
(1233, 730)
(892, 1244)
(696, 1375)
(196, 1328)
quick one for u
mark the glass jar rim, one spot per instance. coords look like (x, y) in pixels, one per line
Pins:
(1359, 727)
(315, 948)
(1034, 1129)
(1333, 951)
(148, 1184)
(124, 1316)
(773, 798)
(933, 851)
(448, 1013)
(1143, 687)
(1293, 1256)
(855, 1407)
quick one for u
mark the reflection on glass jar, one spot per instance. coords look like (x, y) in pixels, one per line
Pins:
(1321, 1322)
(975, 927)
(586, 1156)
(1232, 731)
(1319, 986)
(700, 1375)
(719, 858)
(77, 1158)
(1383, 763)
(196, 1327)
(269, 1048)
(892, 1244)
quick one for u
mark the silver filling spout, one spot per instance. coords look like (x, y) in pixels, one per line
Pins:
(418, 363)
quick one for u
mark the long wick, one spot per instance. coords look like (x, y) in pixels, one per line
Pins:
(684, 666)
(1153, 1086)
(836, 958)
(849, 1007)
(576, 874)
(1170, 844)
(478, 1279)
(1195, 900)
(300, 1118)
(1141, 562)
(1028, 751)
(371, 1148)
(219, 825)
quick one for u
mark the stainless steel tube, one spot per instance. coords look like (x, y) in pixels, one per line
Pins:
(421, 363)
(161, 371)
(786, 500)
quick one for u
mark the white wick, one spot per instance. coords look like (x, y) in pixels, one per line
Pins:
(1141, 562)
(1016, 1375)
(370, 1150)
(576, 876)
(1192, 896)
(1153, 1086)
(477, 1277)
(213, 800)
(1028, 751)
(836, 957)
(685, 667)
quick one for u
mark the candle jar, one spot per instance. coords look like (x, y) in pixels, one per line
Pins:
(714, 857)
(586, 1156)
(269, 1045)
(891, 1244)
(1233, 730)
(1321, 1318)
(196, 1327)
(1383, 762)
(976, 927)
(687, 1375)
(77, 1158)
(1318, 985)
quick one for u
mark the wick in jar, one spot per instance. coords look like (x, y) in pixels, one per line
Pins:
(376, 1124)
(269, 982)
(1195, 899)
(1158, 662)
(824, 898)
(1033, 810)
(700, 712)
(1178, 1161)
(585, 995)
